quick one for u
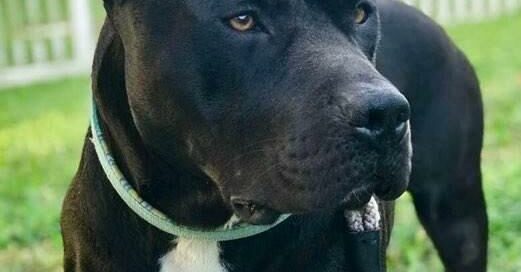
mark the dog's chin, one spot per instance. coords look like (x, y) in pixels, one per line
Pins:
(261, 213)
(391, 193)
(262, 202)
(257, 214)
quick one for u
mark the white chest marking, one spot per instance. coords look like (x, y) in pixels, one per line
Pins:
(193, 256)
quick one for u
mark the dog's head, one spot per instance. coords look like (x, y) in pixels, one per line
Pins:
(277, 102)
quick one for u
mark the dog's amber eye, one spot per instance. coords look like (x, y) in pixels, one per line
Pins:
(242, 23)
(361, 14)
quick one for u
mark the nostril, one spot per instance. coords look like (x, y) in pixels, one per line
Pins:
(402, 118)
(403, 115)
(376, 119)
(383, 115)
(401, 129)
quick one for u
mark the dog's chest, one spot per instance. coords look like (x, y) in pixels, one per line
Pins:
(193, 256)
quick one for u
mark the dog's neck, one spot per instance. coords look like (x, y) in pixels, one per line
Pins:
(188, 197)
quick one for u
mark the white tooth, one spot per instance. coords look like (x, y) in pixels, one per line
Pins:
(234, 220)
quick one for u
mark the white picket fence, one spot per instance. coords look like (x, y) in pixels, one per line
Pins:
(44, 39)
(466, 11)
(47, 39)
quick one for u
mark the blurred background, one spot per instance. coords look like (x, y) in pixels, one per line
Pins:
(45, 54)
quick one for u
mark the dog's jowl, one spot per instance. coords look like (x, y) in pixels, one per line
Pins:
(256, 130)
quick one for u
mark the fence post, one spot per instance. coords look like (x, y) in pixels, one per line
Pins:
(3, 37)
(478, 9)
(17, 48)
(445, 13)
(82, 38)
(34, 17)
(427, 6)
(56, 14)
(494, 7)
(460, 8)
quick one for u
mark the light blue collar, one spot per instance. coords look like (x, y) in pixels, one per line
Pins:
(154, 216)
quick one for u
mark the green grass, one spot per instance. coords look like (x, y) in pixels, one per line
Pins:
(494, 50)
(42, 129)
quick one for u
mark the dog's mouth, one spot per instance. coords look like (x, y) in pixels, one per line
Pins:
(256, 213)
(356, 199)
(263, 203)
(302, 178)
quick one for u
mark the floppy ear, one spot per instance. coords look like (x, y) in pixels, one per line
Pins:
(110, 96)
(109, 4)
(108, 76)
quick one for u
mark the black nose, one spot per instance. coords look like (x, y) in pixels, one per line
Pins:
(383, 113)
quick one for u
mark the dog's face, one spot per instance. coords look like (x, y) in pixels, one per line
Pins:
(277, 102)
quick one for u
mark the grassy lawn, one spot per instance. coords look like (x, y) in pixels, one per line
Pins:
(494, 50)
(42, 128)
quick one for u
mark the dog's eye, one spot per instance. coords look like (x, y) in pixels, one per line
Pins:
(242, 23)
(361, 14)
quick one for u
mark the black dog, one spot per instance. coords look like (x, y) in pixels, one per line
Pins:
(257, 108)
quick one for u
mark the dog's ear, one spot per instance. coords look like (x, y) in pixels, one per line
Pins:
(110, 96)
(108, 75)
(109, 4)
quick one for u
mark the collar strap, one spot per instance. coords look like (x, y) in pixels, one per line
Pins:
(153, 216)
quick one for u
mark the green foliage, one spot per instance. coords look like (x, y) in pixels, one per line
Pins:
(42, 129)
